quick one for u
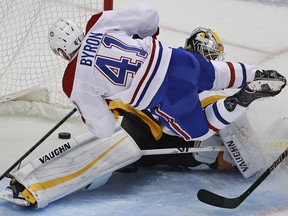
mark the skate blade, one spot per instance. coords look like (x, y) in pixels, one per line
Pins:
(267, 85)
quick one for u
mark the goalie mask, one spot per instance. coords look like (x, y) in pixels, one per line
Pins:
(65, 37)
(206, 42)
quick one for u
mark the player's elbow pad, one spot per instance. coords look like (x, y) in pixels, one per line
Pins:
(151, 18)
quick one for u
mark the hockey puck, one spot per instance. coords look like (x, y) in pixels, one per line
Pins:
(64, 135)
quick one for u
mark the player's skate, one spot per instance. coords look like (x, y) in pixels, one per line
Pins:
(267, 83)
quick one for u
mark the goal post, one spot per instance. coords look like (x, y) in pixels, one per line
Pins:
(30, 73)
(108, 4)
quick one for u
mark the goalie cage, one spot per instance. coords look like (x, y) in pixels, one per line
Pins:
(31, 74)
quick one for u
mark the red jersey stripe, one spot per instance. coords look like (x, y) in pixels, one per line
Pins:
(146, 72)
(232, 74)
(173, 124)
(212, 127)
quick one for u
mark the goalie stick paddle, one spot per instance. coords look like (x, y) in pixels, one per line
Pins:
(38, 143)
(231, 203)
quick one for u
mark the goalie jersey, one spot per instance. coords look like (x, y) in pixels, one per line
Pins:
(111, 65)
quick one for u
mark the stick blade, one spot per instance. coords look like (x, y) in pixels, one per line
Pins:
(213, 199)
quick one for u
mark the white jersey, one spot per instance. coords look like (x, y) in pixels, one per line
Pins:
(111, 65)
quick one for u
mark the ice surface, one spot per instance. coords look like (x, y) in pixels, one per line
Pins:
(253, 32)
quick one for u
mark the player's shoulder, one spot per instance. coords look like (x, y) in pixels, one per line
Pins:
(91, 22)
(68, 77)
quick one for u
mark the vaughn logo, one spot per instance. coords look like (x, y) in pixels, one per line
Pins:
(236, 154)
(55, 153)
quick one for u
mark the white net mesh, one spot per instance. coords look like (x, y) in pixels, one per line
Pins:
(26, 62)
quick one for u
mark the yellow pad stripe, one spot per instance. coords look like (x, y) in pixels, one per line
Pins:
(278, 145)
(52, 183)
(28, 196)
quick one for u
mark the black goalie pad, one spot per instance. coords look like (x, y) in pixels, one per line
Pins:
(141, 134)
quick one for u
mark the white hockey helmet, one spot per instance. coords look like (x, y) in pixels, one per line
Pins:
(65, 37)
(206, 42)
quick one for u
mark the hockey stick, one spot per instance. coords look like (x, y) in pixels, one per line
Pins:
(182, 150)
(224, 202)
(38, 143)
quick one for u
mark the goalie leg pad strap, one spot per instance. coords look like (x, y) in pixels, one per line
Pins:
(208, 157)
(77, 168)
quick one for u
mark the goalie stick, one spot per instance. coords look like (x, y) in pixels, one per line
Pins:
(38, 143)
(231, 203)
(182, 150)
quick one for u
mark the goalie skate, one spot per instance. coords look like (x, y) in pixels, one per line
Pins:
(16, 193)
(8, 195)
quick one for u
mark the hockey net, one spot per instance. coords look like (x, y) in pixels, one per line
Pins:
(30, 72)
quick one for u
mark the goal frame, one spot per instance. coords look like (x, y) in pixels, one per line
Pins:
(34, 90)
(108, 4)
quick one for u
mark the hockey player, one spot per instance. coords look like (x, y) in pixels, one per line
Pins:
(112, 66)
